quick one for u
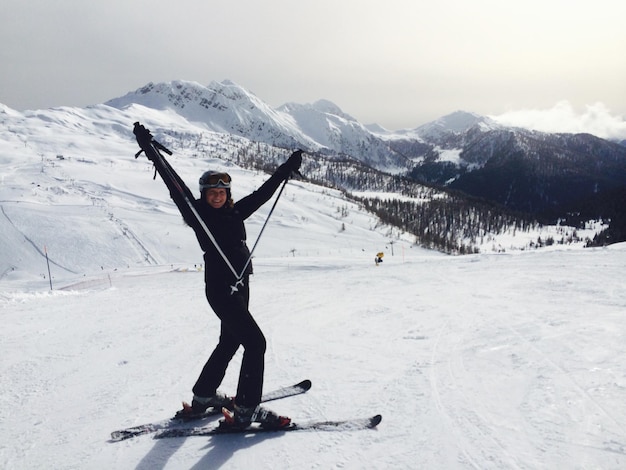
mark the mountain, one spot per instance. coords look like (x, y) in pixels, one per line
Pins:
(67, 169)
(68, 164)
(524, 170)
(542, 173)
(536, 173)
(227, 107)
(567, 177)
(456, 123)
(220, 107)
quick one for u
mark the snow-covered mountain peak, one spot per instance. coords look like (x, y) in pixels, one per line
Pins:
(190, 99)
(164, 95)
(235, 93)
(328, 107)
(456, 123)
(220, 107)
(321, 109)
(229, 108)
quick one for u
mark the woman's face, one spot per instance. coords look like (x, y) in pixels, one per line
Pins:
(216, 197)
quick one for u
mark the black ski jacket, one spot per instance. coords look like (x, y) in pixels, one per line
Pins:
(226, 224)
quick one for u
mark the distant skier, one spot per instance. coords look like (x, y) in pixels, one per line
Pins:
(379, 258)
(228, 297)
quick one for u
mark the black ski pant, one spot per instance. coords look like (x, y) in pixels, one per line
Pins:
(238, 328)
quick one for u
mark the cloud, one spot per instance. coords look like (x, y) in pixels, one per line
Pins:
(596, 119)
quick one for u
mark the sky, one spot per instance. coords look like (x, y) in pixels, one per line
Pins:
(400, 63)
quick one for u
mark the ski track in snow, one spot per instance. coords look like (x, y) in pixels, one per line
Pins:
(475, 362)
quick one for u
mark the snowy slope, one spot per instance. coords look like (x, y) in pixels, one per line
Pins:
(475, 362)
(66, 171)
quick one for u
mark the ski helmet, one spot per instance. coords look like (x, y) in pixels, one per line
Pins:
(214, 179)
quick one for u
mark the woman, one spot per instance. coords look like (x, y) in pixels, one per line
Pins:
(227, 292)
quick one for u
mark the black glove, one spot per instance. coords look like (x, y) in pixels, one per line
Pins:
(294, 162)
(292, 165)
(144, 138)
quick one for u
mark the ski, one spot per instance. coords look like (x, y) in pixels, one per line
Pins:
(341, 425)
(172, 423)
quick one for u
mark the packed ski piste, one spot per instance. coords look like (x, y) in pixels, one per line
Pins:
(218, 223)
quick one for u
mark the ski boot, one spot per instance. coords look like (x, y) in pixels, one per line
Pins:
(242, 417)
(199, 405)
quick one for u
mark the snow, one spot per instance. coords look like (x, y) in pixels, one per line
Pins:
(450, 155)
(511, 360)
(485, 361)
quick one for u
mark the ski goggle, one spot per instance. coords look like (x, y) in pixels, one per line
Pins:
(214, 180)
